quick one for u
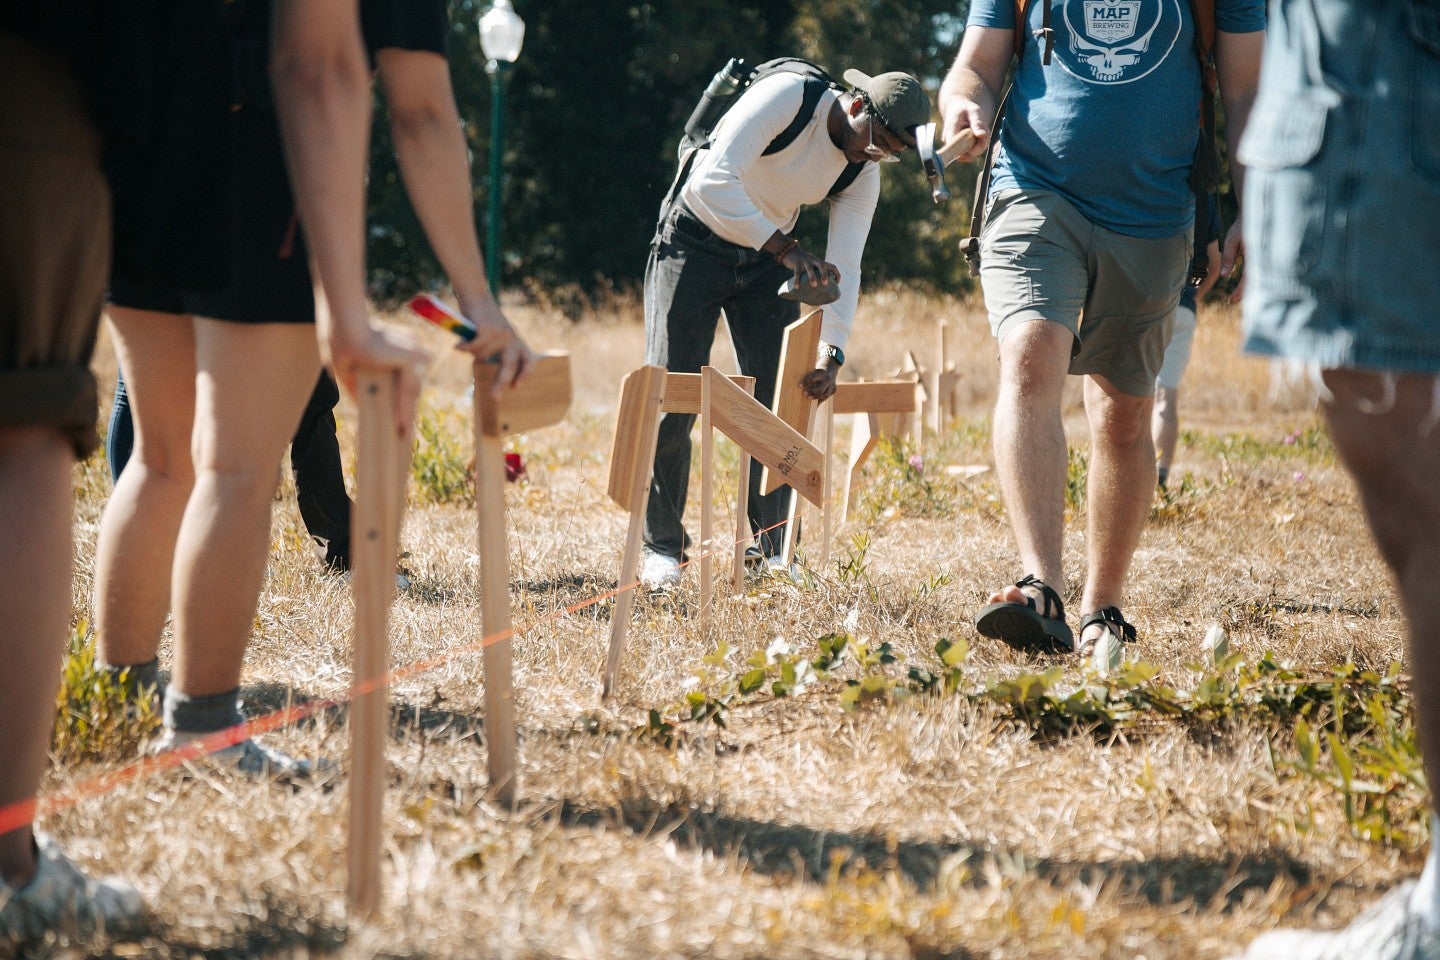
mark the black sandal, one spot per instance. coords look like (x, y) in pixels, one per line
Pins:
(1023, 626)
(1111, 619)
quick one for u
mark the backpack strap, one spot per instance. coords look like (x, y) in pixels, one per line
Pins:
(1205, 169)
(814, 89)
(1046, 34)
(1203, 12)
(847, 177)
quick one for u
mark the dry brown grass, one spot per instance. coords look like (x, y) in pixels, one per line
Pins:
(931, 828)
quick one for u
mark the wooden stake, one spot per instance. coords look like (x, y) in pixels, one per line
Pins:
(827, 418)
(937, 367)
(375, 536)
(792, 404)
(497, 655)
(707, 505)
(864, 437)
(632, 460)
(742, 509)
(541, 398)
(781, 448)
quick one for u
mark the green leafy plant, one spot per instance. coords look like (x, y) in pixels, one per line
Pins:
(439, 465)
(96, 716)
(898, 481)
(850, 569)
(1366, 752)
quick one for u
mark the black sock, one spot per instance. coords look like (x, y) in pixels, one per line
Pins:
(201, 714)
(133, 678)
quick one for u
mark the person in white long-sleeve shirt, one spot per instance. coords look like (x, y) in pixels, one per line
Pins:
(724, 243)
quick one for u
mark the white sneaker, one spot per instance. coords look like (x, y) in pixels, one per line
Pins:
(252, 757)
(402, 582)
(659, 573)
(1390, 930)
(61, 897)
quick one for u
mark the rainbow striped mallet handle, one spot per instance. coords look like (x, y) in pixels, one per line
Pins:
(441, 314)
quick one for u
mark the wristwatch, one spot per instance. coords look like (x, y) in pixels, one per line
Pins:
(828, 352)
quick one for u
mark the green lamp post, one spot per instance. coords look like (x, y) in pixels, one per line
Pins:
(501, 34)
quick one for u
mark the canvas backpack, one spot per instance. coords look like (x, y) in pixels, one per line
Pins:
(1204, 168)
(719, 97)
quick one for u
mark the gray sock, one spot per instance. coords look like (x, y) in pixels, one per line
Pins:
(132, 678)
(201, 714)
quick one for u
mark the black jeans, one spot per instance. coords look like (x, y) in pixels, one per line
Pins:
(314, 460)
(691, 276)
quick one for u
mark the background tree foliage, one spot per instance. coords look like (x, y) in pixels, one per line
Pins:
(593, 113)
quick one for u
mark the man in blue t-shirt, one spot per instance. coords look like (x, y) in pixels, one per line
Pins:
(1090, 215)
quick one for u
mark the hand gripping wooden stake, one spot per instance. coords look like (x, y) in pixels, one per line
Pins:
(539, 400)
(374, 534)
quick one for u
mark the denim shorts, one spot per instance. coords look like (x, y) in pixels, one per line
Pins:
(1342, 200)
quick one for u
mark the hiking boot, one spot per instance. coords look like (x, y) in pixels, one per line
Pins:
(252, 757)
(659, 573)
(61, 897)
(1389, 930)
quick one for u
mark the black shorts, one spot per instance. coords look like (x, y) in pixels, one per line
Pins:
(266, 269)
(206, 223)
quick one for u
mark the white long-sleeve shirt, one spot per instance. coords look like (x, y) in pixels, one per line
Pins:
(745, 197)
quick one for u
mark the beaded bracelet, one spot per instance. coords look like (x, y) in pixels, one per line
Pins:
(790, 244)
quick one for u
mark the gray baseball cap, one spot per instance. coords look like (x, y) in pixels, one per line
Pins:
(898, 99)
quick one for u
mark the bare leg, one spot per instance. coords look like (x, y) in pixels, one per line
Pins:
(142, 518)
(251, 384)
(1118, 490)
(35, 510)
(1165, 425)
(1030, 447)
(1395, 464)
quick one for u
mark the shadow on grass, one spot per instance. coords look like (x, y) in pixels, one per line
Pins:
(789, 849)
(273, 928)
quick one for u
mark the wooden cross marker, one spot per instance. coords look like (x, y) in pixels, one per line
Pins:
(541, 399)
(644, 395)
(375, 534)
(792, 405)
(875, 405)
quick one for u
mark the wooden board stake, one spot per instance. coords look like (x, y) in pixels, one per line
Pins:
(791, 403)
(932, 383)
(541, 399)
(781, 448)
(707, 505)
(632, 458)
(375, 535)
(742, 507)
(864, 438)
(827, 420)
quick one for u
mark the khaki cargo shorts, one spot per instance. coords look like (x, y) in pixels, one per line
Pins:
(1041, 259)
(54, 245)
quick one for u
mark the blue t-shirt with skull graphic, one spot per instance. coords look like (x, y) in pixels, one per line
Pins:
(1111, 124)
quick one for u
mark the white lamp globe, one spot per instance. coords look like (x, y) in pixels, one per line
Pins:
(501, 32)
